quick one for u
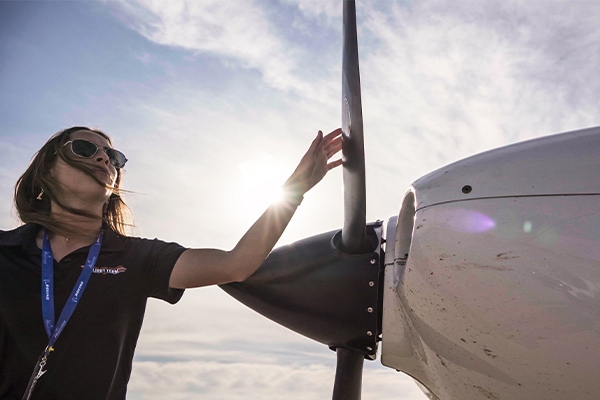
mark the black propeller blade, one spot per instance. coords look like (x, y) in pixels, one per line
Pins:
(348, 376)
(354, 239)
(328, 287)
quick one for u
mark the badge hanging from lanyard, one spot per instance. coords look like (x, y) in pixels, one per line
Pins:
(53, 329)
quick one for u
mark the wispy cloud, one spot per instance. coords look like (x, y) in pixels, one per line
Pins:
(247, 380)
(211, 380)
(445, 80)
(145, 58)
(441, 80)
(240, 31)
(477, 75)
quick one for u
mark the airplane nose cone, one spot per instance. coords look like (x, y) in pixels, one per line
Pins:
(320, 292)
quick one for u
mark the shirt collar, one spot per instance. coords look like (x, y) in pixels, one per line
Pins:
(26, 234)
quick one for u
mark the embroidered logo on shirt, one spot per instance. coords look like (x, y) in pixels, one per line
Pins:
(108, 270)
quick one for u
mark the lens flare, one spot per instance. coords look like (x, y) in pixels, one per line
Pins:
(468, 221)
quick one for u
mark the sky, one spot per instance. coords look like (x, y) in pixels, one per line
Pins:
(214, 103)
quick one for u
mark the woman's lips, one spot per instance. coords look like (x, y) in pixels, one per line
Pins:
(103, 172)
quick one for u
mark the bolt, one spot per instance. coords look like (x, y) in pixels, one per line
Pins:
(370, 309)
(369, 333)
(373, 261)
(371, 283)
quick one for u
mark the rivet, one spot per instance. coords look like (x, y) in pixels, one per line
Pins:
(369, 333)
(373, 261)
(370, 309)
(371, 283)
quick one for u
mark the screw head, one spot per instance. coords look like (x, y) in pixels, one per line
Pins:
(373, 261)
(369, 333)
(371, 283)
(467, 189)
(370, 309)
(369, 348)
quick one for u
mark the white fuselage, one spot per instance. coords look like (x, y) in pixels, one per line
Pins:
(499, 296)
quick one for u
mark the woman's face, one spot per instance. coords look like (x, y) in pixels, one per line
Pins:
(76, 182)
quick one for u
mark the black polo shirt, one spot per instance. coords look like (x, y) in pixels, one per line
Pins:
(94, 352)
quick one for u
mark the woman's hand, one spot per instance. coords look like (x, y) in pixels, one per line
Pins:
(202, 267)
(315, 163)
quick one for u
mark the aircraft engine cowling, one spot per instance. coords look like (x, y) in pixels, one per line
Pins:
(492, 289)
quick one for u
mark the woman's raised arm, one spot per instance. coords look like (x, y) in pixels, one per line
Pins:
(203, 267)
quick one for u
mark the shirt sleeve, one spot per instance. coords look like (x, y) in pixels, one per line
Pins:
(160, 261)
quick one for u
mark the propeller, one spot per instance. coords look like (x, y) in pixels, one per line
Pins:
(329, 287)
(354, 239)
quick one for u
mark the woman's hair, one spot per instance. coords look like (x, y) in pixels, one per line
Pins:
(37, 178)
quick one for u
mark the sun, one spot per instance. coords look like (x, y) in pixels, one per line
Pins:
(261, 183)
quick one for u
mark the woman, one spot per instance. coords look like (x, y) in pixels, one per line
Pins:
(73, 242)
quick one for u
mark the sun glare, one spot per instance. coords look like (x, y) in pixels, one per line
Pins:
(261, 183)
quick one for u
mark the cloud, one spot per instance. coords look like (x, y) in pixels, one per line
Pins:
(248, 380)
(440, 80)
(445, 80)
(468, 76)
(237, 31)
(145, 58)
(211, 380)
(330, 9)
(208, 347)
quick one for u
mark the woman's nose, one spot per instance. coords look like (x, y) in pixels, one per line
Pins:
(101, 156)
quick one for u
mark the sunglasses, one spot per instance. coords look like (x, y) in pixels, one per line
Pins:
(86, 149)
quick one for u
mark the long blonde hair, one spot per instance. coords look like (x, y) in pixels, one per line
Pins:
(37, 178)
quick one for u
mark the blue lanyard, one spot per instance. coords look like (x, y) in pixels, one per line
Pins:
(53, 330)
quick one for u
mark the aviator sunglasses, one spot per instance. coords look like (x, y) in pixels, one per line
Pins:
(86, 149)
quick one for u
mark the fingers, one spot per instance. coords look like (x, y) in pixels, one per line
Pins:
(332, 135)
(334, 164)
(331, 145)
(334, 146)
(327, 145)
(319, 138)
(331, 151)
(316, 143)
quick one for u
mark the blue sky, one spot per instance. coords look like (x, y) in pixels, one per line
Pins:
(214, 102)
